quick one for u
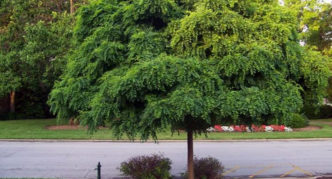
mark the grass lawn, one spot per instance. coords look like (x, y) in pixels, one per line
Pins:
(36, 129)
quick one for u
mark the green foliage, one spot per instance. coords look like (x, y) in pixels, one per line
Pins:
(35, 37)
(147, 167)
(315, 23)
(321, 112)
(45, 50)
(143, 67)
(298, 121)
(325, 111)
(315, 18)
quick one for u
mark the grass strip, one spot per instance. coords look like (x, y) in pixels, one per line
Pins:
(37, 129)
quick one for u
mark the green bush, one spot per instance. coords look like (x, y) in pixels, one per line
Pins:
(311, 112)
(207, 168)
(323, 112)
(147, 167)
(298, 121)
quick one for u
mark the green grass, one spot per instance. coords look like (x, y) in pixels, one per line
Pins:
(36, 129)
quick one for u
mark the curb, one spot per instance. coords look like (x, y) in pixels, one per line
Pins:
(297, 177)
(166, 141)
(315, 177)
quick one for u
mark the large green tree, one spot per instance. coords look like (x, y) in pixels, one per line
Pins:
(145, 66)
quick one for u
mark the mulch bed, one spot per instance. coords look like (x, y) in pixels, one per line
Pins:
(69, 127)
(308, 128)
(65, 127)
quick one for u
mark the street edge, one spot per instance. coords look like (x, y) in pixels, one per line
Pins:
(164, 141)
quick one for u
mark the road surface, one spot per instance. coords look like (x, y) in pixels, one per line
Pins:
(241, 159)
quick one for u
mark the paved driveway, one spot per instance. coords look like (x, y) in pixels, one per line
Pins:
(248, 159)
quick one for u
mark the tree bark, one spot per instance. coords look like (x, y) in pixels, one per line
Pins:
(190, 154)
(12, 101)
(71, 7)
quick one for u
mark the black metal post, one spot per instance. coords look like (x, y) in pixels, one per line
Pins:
(98, 171)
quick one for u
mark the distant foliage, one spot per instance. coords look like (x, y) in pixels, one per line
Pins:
(315, 23)
(322, 112)
(147, 167)
(315, 19)
(35, 37)
(147, 65)
(325, 111)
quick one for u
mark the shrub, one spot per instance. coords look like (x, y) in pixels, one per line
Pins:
(298, 121)
(311, 112)
(323, 112)
(147, 167)
(208, 168)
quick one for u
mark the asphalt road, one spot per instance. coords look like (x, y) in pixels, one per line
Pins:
(245, 159)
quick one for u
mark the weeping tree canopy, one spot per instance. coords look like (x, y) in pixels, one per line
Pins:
(147, 65)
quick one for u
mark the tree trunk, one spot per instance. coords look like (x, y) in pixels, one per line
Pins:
(12, 101)
(190, 154)
(71, 7)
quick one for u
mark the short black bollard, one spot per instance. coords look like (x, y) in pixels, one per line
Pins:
(98, 171)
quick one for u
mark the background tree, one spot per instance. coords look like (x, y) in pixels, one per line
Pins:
(315, 23)
(35, 37)
(315, 18)
(145, 66)
(44, 55)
